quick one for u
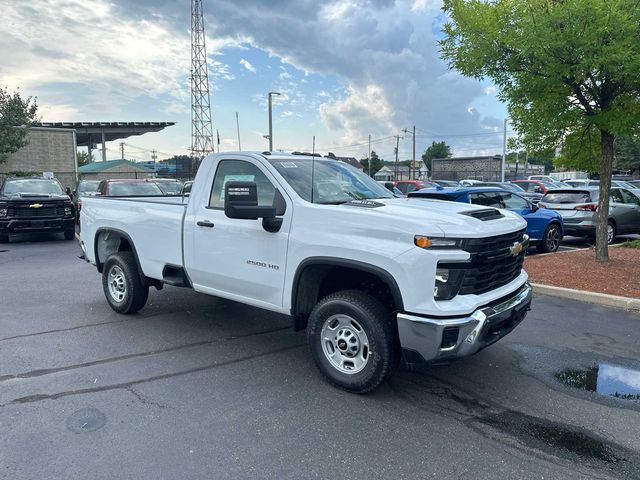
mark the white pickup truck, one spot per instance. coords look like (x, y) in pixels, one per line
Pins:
(376, 280)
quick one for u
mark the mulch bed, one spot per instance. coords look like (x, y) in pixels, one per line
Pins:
(579, 270)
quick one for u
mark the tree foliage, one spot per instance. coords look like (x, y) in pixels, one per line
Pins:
(564, 68)
(436, 150)
(15, 112)
(376, 163)
(82, 158)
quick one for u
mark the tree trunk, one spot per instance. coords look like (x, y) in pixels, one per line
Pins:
(606, 167)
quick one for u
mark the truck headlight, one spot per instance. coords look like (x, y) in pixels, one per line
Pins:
(423, 241)
(3, 211)
(447, 283)
(68, 211)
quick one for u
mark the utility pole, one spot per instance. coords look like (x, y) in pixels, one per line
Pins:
(504, 151)
(154, 155)
(271, 120)
(238, 129)
(413, 161)
(122, 150)
(369, 157)
(397, 146)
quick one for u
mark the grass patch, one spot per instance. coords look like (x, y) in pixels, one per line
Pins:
(631, 244)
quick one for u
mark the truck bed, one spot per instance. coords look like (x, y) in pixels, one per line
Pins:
(154, 224)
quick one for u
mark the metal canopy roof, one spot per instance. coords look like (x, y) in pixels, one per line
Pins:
(92, 132)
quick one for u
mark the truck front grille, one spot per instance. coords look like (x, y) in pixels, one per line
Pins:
(494, 262)
(49, 211)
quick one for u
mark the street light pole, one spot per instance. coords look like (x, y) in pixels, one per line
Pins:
(271, 121)
(504, 151)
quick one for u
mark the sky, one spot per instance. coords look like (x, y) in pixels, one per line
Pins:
(345, 69)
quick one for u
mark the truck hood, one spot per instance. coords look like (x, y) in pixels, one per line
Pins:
(34, 196)
(453, 219)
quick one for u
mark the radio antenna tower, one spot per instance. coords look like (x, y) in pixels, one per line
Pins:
(201, 125)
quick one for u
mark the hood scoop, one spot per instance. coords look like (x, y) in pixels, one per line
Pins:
(485, 214)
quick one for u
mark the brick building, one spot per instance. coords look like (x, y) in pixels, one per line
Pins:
(48, 150)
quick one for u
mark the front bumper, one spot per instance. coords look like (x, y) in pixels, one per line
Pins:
(37, 225)
(434, 339)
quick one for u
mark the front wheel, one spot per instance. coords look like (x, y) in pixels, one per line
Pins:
(550, 240)
(122, 285)
(352, 340)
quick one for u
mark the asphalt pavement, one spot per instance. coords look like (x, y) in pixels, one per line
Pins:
(198, 387)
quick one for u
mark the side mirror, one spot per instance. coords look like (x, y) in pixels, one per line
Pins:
(186, 189)
(534, 207)
(68, 191)
(241, 201)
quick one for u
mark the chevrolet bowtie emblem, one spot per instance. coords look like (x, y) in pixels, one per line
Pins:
(35, 205)
(515, 249)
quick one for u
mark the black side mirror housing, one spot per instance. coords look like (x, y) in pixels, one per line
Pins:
(241, 201)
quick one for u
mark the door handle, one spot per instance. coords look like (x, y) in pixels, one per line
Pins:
(205, 223)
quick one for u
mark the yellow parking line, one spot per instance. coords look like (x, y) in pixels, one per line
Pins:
(77, 237)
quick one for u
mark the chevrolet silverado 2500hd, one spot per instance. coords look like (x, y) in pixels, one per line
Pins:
(375, 280)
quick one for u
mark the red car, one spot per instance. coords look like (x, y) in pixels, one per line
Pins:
(128, 188)
(407, 186)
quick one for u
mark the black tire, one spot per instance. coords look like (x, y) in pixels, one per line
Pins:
(611, 239)
(383, 350)
(134, 293)
(549, 242)
(69, 234)
(4, 238)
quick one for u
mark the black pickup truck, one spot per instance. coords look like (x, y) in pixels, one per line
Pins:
(35, 204)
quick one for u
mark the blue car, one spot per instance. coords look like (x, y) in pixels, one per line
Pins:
(544, 227)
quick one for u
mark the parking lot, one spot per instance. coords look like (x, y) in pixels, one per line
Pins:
(198, 387)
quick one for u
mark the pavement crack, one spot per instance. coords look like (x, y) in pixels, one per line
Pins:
(49, 371)
(143, 399)
(125, 385)
(77, 327)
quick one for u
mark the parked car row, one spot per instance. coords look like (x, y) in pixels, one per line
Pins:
(38, 204)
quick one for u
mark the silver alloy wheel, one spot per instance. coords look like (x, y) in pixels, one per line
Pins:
(117, 283)
(345, 344)
(610, 233)
(553, 239)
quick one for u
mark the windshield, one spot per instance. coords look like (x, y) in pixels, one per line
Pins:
(133, 189)
(32, 185)
(333, 181)
(88, 186)
(569, 197)
(170, 188)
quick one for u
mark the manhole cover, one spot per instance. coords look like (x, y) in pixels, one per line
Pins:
(86, 420)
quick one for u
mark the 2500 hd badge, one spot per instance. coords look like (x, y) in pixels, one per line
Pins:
(256, 263)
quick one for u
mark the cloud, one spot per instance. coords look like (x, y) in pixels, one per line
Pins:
(384, 52)
(247, 65)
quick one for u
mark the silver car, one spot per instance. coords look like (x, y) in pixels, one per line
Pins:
(578, 207)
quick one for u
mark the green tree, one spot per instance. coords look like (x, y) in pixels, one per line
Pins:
(83, 158)
(376, 163)
(435, 150)
(15, 113)
(564, 67)
(627, 153)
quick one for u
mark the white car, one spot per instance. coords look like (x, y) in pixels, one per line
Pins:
(373, 278)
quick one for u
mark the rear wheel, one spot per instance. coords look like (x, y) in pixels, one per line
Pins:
(122, 285)
(352, 340)
(611, 233)
(550, 240)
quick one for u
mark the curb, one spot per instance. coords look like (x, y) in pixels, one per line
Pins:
(615, 301)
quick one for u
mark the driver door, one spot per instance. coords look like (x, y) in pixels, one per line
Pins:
(238, 258)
